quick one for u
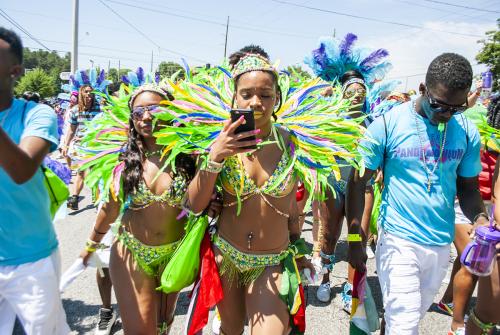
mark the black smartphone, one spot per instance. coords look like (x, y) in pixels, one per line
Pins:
(249, 124)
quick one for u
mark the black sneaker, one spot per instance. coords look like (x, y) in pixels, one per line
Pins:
(73, 202)
(107, 318)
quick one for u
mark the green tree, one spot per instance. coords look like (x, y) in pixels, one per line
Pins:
(50, 62)
(36, 80)
(167, 69)
(298, 71)
(116, 77)
(490, 54)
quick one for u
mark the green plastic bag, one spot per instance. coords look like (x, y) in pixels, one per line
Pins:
(182, 269)
(56, 188)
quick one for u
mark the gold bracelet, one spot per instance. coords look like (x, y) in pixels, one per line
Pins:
(354, 238)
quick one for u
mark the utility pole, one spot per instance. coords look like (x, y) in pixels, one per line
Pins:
(118, 68)
(334, 32)
(74, 54)
(227, 31)
(109, 65)
(151, 70)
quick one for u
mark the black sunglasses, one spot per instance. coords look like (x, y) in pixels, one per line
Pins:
(441, 107)
(138, 112)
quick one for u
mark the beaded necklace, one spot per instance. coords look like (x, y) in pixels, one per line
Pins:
(422, 150)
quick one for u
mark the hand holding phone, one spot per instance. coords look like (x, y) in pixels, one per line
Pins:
(249, 124)
(237, 136)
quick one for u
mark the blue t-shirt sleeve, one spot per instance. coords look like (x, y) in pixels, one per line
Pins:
(470, 165)
(41, 121)
(372, 147)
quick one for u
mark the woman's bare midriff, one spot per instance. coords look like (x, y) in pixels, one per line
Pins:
(269, 229)
(154, 225)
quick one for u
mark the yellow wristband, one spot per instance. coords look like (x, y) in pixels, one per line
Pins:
(354, 238)
(89, 249)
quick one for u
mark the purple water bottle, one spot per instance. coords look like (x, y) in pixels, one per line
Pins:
(487, 80)
(480, 254)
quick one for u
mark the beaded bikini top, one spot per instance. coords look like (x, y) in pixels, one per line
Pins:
(235, 181)
(173, 196)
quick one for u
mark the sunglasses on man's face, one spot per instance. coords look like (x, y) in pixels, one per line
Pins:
(349, 93)
(138, 112)
(441, 107)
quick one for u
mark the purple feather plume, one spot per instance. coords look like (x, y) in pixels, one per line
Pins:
(140, 74)
(373, 59)
(346, 45)
(85, 77)
(101, 78)
(319, 56)
(125, 80)
(157, 77)
(61, 170)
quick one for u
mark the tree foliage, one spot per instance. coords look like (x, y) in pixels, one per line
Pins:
(50, 62)
(298, 71)
(116, 77)
(490, 54)
(167, 69)
(36, 80)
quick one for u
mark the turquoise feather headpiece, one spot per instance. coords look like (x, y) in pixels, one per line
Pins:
(335, 57)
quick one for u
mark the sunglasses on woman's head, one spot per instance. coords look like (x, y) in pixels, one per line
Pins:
(441, 107)
(138, 112)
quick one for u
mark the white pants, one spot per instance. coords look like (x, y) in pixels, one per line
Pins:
(410, 276)
(31, 291)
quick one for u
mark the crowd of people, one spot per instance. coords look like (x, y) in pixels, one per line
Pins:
(206, 180)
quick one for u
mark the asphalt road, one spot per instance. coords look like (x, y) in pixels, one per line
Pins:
(81, 300)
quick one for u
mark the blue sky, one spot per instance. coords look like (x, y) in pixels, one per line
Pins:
(285, 28)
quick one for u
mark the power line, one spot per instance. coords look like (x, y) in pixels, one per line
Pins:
(460, 6)
(217, 23)
(412, 3)
(372, 19)
(18, 26)
(146, 36)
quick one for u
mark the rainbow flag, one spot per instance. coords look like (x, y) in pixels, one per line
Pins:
(364, 316)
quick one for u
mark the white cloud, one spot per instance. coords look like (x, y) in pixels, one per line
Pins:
(412, 50)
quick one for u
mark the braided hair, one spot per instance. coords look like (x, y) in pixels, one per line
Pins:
(493, 116)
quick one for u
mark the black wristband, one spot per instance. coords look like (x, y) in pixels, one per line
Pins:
(98, 232)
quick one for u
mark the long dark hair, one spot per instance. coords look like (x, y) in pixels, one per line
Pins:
(494, 111)
(134, 156)
(235, 57)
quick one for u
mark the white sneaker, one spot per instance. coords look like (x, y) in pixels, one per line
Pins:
(107, 318)
(323, 292)
(216, 323)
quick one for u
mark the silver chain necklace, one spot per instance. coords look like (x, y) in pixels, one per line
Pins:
(429, 172)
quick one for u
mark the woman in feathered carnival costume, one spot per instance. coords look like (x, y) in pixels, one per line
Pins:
(357, 73)
(86, 84)
(257, 249)
(143, 195)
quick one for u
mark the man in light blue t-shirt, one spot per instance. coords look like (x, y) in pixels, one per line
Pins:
(429, 154)
(29, 261)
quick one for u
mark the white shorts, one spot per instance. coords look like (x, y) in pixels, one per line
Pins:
(410, 275)
(460, 218)
(31, 291)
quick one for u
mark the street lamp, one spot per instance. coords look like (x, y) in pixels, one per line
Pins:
(91, 62)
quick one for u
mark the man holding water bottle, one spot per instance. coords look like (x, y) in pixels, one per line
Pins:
(430, 154)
